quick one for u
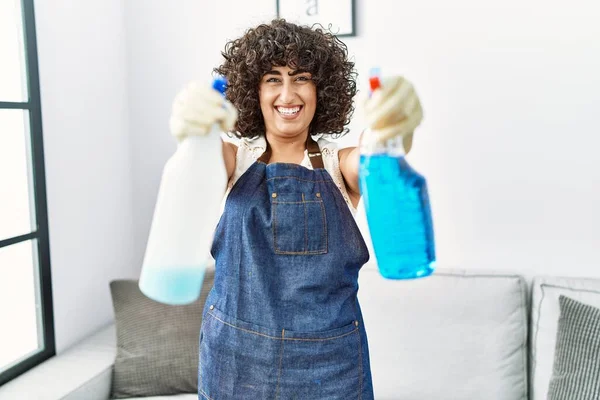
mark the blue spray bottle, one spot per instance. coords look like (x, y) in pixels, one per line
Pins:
(396, 204)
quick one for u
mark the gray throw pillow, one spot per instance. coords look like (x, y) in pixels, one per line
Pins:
(157, 344)
(576, 374)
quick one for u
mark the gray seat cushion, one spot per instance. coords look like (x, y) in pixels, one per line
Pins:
(82, 372)
(456, 334)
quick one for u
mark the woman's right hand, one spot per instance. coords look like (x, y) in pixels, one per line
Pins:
(196, 108)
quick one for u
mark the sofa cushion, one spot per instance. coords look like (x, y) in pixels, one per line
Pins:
(545, 312)
(576, 372)
(81, 372)
(157, 344)
(455, 334)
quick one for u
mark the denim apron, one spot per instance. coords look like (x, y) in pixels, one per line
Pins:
(282, 320)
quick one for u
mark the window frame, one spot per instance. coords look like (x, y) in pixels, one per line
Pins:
(40, 234)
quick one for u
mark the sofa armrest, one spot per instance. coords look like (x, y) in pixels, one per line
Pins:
(82, 372)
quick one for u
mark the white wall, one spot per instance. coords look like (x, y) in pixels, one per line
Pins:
(508, 144)
(81, 49)
(510, 138)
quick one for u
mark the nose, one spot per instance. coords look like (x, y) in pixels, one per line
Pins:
(288, 94)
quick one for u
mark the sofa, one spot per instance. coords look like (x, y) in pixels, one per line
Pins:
(459, 334)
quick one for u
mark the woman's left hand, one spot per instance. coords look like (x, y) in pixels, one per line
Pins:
(393, 110)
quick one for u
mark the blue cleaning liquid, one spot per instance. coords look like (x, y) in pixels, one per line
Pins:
(399, 216)
(173, 285)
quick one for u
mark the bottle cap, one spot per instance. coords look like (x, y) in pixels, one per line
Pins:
(220, 84)
(374, 81)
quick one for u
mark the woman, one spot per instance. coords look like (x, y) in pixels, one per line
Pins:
(283, 320)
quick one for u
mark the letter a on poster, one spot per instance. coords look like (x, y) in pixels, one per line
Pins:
(335, 15)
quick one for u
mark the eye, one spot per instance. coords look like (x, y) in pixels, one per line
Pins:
(303, 78)
(272, 80)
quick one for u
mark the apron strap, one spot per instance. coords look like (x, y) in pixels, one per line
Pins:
(314, 153)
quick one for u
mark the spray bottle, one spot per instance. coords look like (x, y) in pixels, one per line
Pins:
(184, 218)
(395, 195)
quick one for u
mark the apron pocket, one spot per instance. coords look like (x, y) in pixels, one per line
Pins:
(322, 365)
(236, 360)
(299, 223)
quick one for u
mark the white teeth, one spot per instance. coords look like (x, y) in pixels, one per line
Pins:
(288, 111)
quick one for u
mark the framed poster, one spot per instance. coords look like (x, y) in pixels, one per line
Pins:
(335, 15)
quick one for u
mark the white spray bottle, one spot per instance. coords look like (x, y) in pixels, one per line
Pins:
(184, 218)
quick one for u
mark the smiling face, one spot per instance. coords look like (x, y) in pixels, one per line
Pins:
(288, 100)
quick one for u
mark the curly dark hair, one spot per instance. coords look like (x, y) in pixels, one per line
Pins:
(281, 43)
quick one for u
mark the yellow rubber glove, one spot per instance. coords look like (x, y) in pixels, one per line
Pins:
(196, 108)
(393, 110)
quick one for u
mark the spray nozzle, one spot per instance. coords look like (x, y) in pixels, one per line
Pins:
(374, 79)
(220, 84)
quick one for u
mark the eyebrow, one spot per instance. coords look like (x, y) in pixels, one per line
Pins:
(291, 73)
